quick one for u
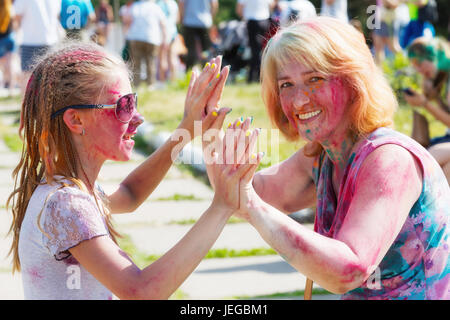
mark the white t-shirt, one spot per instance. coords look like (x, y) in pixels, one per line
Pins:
(49, 271)
(40, 23)
(303, 9)
(256, 9)
(146, 19)
(337, 10)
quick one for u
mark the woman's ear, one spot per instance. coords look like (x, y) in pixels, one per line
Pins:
(73, 121)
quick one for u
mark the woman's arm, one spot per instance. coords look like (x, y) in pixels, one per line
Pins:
(378, 211)
(287, 186)
(140, 183)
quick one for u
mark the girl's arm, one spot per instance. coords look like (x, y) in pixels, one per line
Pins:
(115, 270)
(140, 183)
(379, 208)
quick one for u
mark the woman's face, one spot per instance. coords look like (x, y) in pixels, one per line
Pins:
(426, 67)
(108, 138)
(314, 104)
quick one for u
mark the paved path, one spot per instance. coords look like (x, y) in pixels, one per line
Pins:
(158, 224)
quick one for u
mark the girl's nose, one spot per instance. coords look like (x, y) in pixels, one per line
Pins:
(137, 120)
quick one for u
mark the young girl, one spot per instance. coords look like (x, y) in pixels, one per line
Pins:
(79, 111)
(383, 204)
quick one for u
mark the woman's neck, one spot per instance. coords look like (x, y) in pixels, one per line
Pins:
(339, 149)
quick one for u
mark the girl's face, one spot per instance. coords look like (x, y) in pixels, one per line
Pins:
(108, 138)
(314, 104)
(425, 67)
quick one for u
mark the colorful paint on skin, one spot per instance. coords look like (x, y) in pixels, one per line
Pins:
(317, 107)
(112, 138)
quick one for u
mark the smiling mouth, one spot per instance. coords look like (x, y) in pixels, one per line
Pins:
(128, 136)
(308, 115)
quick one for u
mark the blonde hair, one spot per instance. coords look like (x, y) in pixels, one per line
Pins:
(333, 48)
(73, 74)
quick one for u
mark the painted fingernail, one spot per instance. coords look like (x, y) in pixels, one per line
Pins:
(218, 75)
(247, 133)
(251, 119)
(253, 156)
(206, 65)
(213, 66)
(229, 125)
(229, 111)
(214, 113)
(238, 123)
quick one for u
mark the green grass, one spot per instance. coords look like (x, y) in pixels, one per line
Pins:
(13, 142)
(142, 259)
(285, 295)
(232, 220)
(180, 197)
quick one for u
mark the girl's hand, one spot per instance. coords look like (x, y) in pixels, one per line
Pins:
(204, 85)
(415, 100)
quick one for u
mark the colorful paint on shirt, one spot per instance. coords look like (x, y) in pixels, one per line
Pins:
(416, 266)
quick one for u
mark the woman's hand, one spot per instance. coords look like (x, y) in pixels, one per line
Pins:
(204, 86)
(416, 99)
(234, 166)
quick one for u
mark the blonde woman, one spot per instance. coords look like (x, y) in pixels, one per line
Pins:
(383, 204)
(79, 111)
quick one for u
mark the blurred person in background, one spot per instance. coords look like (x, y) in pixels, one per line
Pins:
(146, 33)
(423, 13)
(7, 45)
(76, 15)
(166, 56)
(335, 8)
(39, 23)
(125, 19)
(196, 17)
(431, 58)
(105, 15)
(257, 15)
(386, 35)
(294, 10)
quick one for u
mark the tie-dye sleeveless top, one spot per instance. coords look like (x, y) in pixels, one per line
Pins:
(416, 266)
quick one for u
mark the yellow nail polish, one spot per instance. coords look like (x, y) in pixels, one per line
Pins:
(213, 66)
(214, 114)
(229, 125)
(206, 65)
(253, 156)
(238, 124)
(247, 133)
(218, 75)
